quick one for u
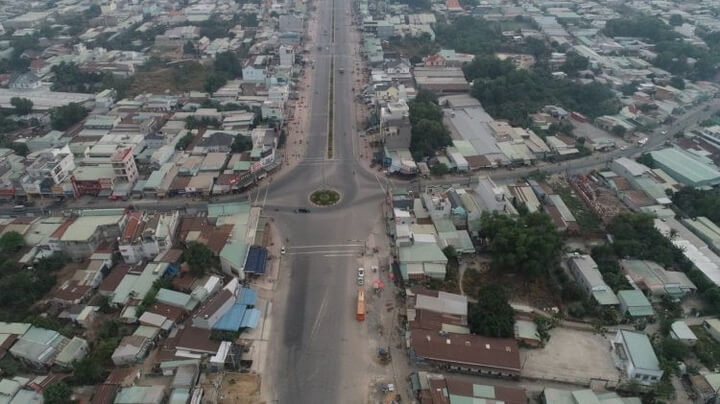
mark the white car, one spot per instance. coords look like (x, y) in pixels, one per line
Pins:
(361, 272)
(282, 251)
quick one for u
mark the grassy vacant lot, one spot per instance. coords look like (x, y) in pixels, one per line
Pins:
(183, 77)
(586, 219)
(706, 348)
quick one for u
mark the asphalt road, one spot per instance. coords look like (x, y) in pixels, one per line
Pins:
(318, 351)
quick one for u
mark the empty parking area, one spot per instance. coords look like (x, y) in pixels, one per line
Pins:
(571, 356)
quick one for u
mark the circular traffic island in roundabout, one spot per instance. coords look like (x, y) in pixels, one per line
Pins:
(325, 197)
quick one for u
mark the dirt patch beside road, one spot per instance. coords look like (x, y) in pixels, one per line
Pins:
(240, 388)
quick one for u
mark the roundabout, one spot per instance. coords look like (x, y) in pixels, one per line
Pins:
(325, 197)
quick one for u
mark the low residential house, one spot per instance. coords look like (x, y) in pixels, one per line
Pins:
(634, 354)
(132, 349)
(707, 386)
(80, 236)
(586, 273)
(38, 347)
(255, 69)
(655, 280)
(422, 260)
(466, 353)
(634, 304)
(141, 395)
(680, 331)
(712, 326)
(74, 351)
(526, 333)
(430, 388)
(214, 308)
(587, 396)
(146, 236)
(137, 283)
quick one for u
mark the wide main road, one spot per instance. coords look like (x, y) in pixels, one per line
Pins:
(318, 352)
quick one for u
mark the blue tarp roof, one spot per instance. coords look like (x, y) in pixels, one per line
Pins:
(231, 320)
(256, 260)
(250, 319)
(248, 297)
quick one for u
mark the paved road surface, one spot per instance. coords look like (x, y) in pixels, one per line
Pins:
(318, 351)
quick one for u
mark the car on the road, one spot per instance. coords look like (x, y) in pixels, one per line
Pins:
(282, 251)
(360, 280)
(302, 210)
(361, 272)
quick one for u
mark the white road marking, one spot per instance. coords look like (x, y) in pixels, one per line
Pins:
(324, 252)
(340, 255)
(326, 246)
(319, 316)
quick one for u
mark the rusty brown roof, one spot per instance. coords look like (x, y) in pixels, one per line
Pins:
(472, 350)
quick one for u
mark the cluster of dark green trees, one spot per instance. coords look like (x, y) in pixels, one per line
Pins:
(510, 93)
(697, 202)
(64, 117)
(672, 51)
(528, 244)
(429, 134)
(22, 288)
(226, 67)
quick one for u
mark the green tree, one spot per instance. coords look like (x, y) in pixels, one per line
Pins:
(528, 244)
(54, 262)
(492, 315)
(227, 64)
(628, 89)
(439, 169)
(199, 258)
(88, 371)
(11, 242)
(696, 202)
(214, 81)
(427, 137)
(62, 118)
(23, 106)
(185, 141)
(93, 11)
(189, 48)
(241, 143)
(635, 236)
(618, 130)
(574, 63)
(646, 159)
(677, 82)
(58, 393)
(426, 96)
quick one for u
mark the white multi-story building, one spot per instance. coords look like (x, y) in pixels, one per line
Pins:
(57, 164)
(145, 237)
(287, 55)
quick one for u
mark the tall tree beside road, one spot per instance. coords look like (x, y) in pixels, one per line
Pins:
(492, 315)
(199, 258)
(62, 118)
(11, 242)
(241, 143)
(428, 133)
(528, 244)
(22, 106)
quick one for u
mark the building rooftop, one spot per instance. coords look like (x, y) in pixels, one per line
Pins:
(640, 350)
(636, 302)
(83, 227)
(686, 168)
(473, 350)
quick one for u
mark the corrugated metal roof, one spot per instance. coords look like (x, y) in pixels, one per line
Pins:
(640, 350)
(247, 297)
(250, 318)
(232, 319)
(256, 261)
